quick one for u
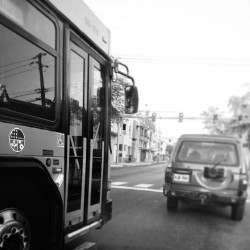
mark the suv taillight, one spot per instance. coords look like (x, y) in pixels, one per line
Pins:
(168, 175)
(243, 185)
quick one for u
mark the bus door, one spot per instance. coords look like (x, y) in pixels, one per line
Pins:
(85, 139)
(96, 139)
(77, 142)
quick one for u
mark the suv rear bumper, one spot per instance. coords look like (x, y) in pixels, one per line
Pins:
(203, 197)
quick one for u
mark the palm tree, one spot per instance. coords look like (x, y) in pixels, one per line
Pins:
(215, 126)
(240, 105)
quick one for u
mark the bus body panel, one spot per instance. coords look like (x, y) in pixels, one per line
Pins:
(55, 116)
(45, 146)
(80, 14)
(37, 142)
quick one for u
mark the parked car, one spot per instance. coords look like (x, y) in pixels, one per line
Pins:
(207, 169)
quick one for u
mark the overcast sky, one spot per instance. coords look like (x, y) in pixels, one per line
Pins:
(185, 55)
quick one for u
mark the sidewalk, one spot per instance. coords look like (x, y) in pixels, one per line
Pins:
(136, 164)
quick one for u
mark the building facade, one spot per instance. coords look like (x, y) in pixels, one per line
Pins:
(137, 140)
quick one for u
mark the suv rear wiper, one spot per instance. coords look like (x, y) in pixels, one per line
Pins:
(219, 162)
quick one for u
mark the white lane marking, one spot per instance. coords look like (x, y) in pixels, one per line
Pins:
(118, 183)
(143, 185)
(136, 188)
(248, 190)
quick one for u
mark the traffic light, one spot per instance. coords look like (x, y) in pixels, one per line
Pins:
(215, 118)
(153, 117)
(180, 117)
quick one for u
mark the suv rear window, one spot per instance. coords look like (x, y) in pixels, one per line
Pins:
(208, 153)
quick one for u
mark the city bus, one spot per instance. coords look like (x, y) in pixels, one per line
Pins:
(56, 74)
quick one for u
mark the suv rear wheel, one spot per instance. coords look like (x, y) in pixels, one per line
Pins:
(238, 211)
(172, 204)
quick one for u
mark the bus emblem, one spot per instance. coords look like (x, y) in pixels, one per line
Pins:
(17, 140)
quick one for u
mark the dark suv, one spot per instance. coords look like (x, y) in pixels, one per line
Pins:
(207, 169)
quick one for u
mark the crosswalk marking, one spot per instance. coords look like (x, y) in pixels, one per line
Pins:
(143, 185)
(136, 188)
(118, 183)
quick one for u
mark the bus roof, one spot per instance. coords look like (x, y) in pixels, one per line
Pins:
(81, 16)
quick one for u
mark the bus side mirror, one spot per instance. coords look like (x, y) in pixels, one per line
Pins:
(131, 99)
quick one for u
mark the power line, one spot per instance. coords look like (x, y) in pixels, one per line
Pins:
(2, 78)
(10, 64)
(21, 72)
(30, 92)
(4, 72)
(183, 60)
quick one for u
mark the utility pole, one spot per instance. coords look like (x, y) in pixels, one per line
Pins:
(40, 66)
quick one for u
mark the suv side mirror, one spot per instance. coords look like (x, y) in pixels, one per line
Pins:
(131, 99)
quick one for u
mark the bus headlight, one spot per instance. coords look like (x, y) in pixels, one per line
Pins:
(59, 180)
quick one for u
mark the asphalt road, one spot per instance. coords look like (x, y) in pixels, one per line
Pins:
(141, 222)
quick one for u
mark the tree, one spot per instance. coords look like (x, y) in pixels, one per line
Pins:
(169, 149)
(240, 108)
(76, 112)
(235, 105)
(239, 105)
(220, 126)
(117, 104)
(117, 99)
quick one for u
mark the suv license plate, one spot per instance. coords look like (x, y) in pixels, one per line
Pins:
(181, 178)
